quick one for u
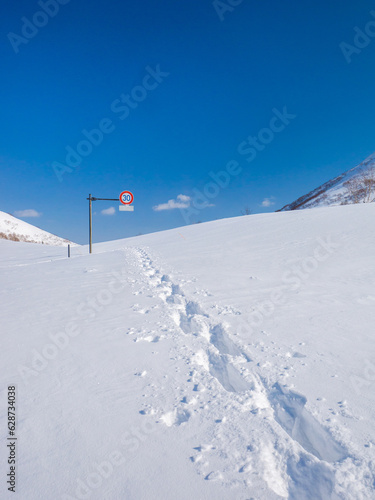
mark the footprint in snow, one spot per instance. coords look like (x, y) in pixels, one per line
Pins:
(292, 416)
(245, 468)
(204, 448)
(214, 476)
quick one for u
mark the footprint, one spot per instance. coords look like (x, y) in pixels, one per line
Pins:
(194, 308)
(199, 388)
(222, 342)
(195, 325)
(214, 476)
(290, 413)
(227, 375)
(245, 468)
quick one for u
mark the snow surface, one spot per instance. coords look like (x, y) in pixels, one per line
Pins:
(334, 192)
(228, 360)
(15, 229)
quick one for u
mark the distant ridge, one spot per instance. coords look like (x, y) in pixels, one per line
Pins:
(335, 191)
(15, 229)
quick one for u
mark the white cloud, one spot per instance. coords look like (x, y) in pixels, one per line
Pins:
(183, 197)
(108, 211)
(182, 201)
(30, 212)
(267, 202)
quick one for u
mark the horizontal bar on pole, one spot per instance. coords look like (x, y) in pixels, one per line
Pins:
(105, 199)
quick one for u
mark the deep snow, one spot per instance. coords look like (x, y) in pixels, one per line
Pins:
(228, 360)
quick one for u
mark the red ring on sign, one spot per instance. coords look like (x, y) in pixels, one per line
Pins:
(127, 202)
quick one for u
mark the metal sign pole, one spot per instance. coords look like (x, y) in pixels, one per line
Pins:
(91, 199)
(90, 223)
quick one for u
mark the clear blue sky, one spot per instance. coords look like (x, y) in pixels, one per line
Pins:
(227, 72)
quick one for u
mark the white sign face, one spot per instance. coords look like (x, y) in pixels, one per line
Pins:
(126, 208)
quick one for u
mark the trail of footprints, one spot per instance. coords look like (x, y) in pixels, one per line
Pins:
(223, 360)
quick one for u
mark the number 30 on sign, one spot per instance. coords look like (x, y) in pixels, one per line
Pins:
(126, 197)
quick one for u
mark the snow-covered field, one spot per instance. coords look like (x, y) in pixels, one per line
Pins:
(228, 360)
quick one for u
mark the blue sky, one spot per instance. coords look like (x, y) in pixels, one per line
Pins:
(220, 74)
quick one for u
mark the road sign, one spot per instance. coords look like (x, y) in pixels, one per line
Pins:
(126, 208)
(126, 197)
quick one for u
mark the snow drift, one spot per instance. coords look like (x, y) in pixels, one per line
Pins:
(232, 359)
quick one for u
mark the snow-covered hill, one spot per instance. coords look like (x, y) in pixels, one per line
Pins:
(227, 360)
(338, 192)
(15, 229)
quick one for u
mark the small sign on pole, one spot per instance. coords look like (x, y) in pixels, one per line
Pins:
(126, 198)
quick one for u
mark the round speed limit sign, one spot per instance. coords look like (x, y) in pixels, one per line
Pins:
(126, 197)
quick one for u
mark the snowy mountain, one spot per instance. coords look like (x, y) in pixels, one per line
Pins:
(15, 229)
(225, 360)
(357, 185)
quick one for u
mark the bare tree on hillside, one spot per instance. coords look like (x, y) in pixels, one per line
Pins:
(368, 182)
(247, 211)
(361, 189)
(354, 188)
